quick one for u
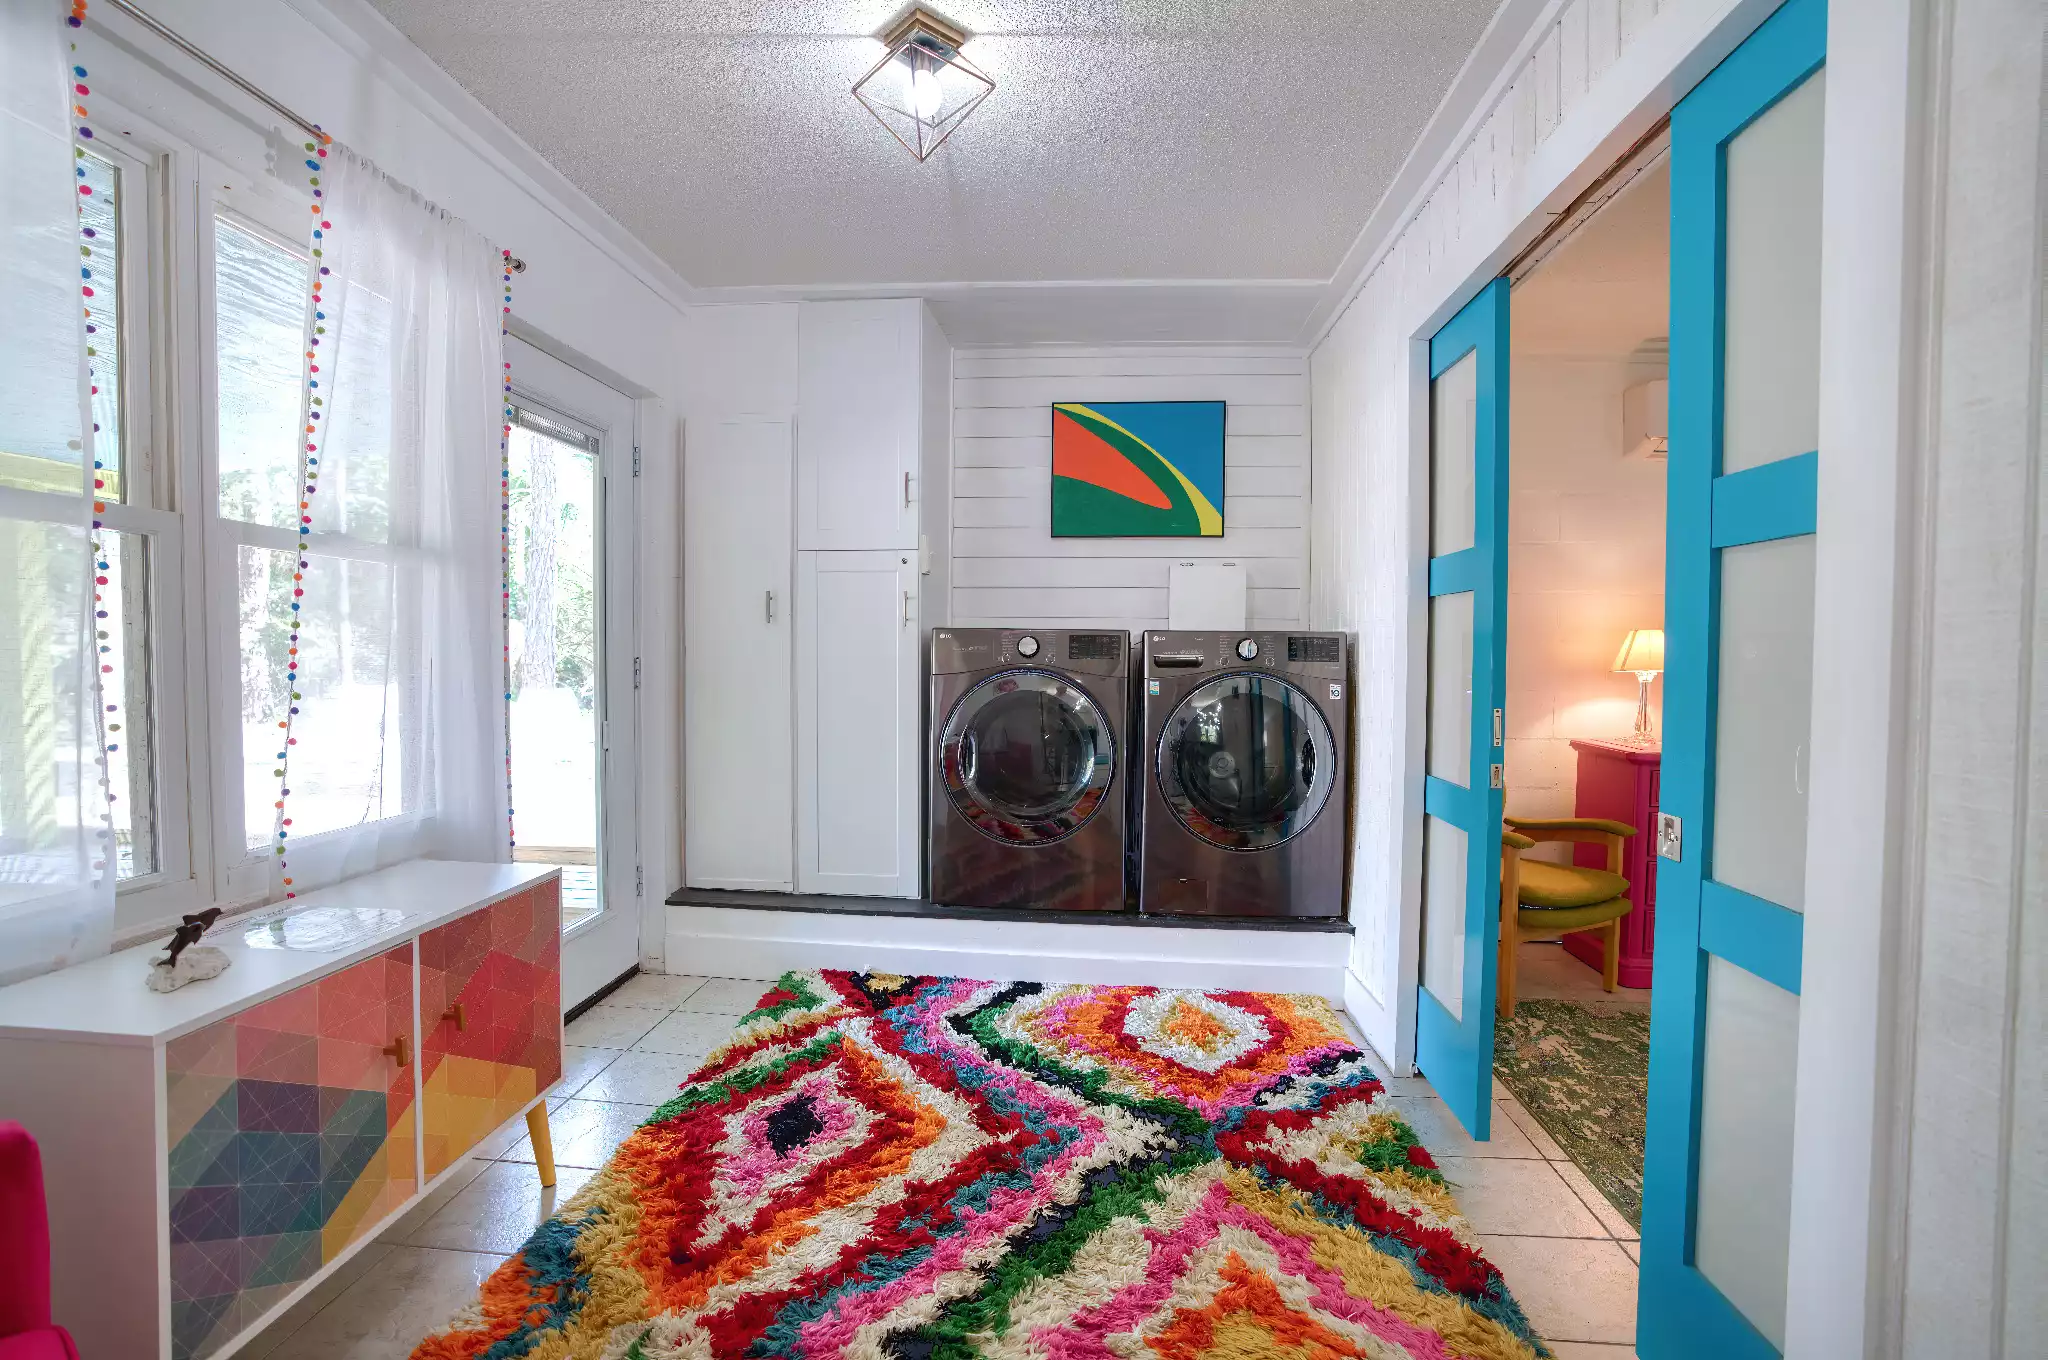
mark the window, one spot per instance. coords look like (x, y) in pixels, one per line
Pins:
(130, 484)
(348, 761)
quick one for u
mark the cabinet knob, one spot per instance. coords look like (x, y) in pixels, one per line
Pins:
(457, 1014)
(399, 1050)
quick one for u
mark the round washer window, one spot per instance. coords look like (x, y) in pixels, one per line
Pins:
(1027, 757)
(1245, 762)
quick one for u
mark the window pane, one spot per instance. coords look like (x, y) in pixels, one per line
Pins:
(99, 220)
(1771, 379)
(1444, 850)
(347, 760)
(356, 496)
(123, 625)
(1741, 1238)
(1764, 719)
(48, 787)
(555, 694)
(1450, 688)
(1453, 430)
(260, 291)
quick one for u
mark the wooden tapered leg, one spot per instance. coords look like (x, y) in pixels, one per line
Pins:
(1610, 959)
(544, 1143)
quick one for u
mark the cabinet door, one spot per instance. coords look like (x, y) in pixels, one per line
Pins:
(858, 412)
(736, 654)
(290, 1134)
(859, 758)
(491, 1019)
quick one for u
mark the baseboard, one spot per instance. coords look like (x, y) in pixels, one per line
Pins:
(735, 942)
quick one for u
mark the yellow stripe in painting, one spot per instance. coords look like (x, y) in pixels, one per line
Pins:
(1207, 517)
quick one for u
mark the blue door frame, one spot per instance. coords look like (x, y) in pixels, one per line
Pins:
(1456, 1052)
(1681, 1314)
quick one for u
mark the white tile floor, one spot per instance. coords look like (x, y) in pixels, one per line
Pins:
(1567, 1255)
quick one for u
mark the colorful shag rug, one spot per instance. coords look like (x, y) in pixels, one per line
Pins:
(1584, 1073)
(925, 1168)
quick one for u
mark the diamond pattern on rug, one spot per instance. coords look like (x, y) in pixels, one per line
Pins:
(926, 1168)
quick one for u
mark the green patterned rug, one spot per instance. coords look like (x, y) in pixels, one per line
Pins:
(1584, 1074)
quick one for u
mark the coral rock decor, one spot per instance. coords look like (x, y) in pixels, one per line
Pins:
(938, 1167)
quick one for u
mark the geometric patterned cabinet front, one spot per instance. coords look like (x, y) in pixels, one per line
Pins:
(491, 1012)
(209, 1153)
(290, 1128)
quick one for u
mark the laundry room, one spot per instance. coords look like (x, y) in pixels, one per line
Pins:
(1024, 692)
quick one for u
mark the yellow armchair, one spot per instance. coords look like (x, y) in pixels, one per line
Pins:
(1541, 901)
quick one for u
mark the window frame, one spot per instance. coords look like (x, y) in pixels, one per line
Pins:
(265, 209)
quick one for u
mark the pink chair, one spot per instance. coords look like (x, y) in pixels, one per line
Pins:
(26, 1332)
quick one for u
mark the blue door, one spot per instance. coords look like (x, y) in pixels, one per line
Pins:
(1468, 498)
(1738, 610)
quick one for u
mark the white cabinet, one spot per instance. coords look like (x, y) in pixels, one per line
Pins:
(859, 416)
(810, 434)
(859, 756)
(737, 676)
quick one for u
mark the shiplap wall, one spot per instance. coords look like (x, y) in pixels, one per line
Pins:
(1009, 570)
(1593, 79)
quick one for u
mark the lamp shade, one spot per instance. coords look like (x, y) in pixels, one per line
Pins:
(1641, 650)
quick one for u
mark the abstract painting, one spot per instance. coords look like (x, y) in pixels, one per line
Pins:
(1137, 469)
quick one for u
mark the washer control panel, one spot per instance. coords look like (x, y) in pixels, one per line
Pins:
(1247, 649)
(1027, 646)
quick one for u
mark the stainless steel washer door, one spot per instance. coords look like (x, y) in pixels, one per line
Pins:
(1027, 757)
(1246, 761)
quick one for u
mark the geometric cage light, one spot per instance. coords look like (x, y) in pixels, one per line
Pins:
(922, 88)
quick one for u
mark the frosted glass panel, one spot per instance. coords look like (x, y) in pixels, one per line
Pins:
(1450, 688)
(1745, 1187)
(1764, 719)
(1443, 913)
(1453, 423)
(1771, 380)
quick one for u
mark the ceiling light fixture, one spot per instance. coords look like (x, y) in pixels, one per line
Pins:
(922, 88)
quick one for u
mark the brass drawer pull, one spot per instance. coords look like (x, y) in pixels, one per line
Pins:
(399, 1049)
(456, 1013)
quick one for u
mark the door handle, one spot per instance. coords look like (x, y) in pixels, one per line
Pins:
(456, 1013)
(399, 1050)
(906, 491)
(906, 609)
(771, 606)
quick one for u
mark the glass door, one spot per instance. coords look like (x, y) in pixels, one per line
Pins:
(1745, 361)
(1027, 757)
(570, 657)
(1468, 495)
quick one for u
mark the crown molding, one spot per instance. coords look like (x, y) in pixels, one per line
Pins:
(356, 26)
(1490, 68)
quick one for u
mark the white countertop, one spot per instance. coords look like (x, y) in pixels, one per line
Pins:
(104, 1000)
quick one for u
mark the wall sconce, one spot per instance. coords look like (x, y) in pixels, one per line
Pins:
(922, 88)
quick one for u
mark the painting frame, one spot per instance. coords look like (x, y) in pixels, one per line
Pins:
(1111, 479)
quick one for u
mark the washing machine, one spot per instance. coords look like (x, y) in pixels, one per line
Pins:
(1243, 737)
(1027, 796)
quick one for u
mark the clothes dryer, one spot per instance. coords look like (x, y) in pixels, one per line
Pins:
(1244, 737)
(1027, 799)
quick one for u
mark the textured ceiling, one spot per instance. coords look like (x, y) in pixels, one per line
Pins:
(1606, 291)
(1140, 139)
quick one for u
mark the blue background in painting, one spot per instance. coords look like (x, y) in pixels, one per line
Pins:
(1187, 434)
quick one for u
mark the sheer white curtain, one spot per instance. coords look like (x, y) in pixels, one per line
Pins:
(56, 867)
(399, 730)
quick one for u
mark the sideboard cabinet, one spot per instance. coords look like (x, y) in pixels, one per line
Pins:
(211, 1153)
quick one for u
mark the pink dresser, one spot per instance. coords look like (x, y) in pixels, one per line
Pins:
(1620, 781)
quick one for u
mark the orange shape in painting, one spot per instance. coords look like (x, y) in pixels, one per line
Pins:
(1083, 455)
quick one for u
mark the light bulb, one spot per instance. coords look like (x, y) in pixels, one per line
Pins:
(925, 94)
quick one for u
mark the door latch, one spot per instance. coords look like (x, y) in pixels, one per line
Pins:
(1494, 777)
(1496, 727)
(1670, 836)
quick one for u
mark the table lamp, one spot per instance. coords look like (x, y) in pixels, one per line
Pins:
(1642, 651)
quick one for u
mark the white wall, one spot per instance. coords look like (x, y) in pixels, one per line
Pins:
(1006, 566)
(1585, 565)
(1591, 79)
(590, 293)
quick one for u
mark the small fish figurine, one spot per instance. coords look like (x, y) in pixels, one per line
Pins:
(188, 934)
